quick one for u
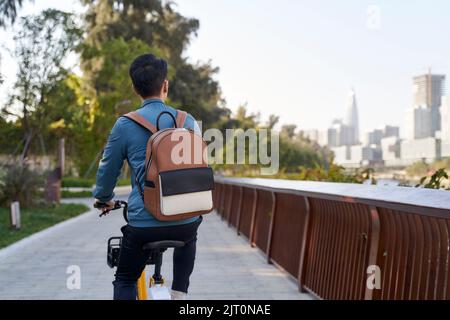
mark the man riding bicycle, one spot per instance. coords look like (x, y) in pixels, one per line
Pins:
(127, 141)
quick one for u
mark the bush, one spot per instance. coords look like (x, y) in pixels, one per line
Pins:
(71, 182)
(2, 182)
(21, 184)
(436, 181)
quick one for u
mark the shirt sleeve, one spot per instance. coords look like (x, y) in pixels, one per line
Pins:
(191, 123)
(111, 164)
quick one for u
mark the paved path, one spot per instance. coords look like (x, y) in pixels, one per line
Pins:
(226, 266)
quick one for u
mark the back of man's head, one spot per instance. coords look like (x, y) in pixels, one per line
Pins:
(148, 74)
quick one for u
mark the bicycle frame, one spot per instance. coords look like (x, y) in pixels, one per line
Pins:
(142, 287)
(156, 282)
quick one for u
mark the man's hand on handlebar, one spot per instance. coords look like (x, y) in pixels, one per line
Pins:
(105, 207)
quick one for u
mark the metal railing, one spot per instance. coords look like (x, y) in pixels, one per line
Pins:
(328, 235)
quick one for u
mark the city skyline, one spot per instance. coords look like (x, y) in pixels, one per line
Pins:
(428, 131)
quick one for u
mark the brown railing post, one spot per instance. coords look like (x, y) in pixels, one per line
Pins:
(240, 205)
(303, 249)
(374, 244)
(252, 225)
(272, 222)
(230, 205)
(222, 200)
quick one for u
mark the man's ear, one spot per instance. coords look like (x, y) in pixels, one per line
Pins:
(166, 86)
(134, 89)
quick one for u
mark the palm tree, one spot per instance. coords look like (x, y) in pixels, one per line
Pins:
(8, 11)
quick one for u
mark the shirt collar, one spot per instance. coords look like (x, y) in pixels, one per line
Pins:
(152, 100)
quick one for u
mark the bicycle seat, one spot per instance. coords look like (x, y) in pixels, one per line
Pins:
(163, 245)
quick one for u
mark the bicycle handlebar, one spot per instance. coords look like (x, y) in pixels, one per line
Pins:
(118, 204)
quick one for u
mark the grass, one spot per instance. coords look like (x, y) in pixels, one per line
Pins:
(77, 182)
(70, 182)
(36, 219)
(77, 194)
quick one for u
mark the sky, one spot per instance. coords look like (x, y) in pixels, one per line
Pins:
(299, 58)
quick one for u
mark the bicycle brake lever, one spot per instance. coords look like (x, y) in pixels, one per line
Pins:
(103, 214)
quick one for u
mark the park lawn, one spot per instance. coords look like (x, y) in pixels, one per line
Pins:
(36, 219)
(76, 194)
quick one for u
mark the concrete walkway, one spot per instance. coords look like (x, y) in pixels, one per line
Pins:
(226, 266)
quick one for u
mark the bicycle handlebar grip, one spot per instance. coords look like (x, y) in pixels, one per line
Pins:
(100, 205)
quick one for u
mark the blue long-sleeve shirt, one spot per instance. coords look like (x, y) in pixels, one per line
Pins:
(128, 141)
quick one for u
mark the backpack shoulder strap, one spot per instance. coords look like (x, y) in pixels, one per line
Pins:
(181, 118)
(140, 120)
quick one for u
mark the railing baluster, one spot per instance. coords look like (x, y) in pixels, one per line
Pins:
(374, 244)
(305, 243)
(272, 220)
(252, 226)
(240, 208)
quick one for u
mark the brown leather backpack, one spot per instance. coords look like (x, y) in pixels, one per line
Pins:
(178, 181)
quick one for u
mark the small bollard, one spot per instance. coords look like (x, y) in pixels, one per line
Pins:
(15, 215)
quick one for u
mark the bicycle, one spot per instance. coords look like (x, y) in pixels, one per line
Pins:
(157, 289)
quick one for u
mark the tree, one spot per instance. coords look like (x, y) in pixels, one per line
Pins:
(154, 22)
(42, 43)
(158, 25)
(288, 130)
(8, 11)
(272, 122)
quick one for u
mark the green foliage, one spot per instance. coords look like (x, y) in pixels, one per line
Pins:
(334, 173)
(114, 93)
(10, 136)
(71, 182)
(8, 11)
(41, 45)
(21, 184)
(417, 169)
(36, 219)
(421, 168)
(154, 22)
(2, 182)
(436, 181)
(66, 194)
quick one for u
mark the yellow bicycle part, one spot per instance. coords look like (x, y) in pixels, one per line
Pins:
(152, 282)
(141, 287)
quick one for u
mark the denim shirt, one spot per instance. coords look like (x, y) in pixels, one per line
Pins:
(128, 141)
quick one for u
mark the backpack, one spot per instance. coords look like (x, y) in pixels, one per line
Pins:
(178, 181)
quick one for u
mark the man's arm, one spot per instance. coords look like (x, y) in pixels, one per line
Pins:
(191, 123)
(111, 164)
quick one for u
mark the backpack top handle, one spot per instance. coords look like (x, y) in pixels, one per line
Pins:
(159, 117)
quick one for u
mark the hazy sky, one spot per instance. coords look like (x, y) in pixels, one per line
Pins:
(299, 58)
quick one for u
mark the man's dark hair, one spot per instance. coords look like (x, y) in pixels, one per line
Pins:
(148, 73)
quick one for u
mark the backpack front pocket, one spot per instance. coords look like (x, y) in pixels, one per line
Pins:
(186, 190)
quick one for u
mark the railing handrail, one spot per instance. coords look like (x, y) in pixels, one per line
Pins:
(415, 200)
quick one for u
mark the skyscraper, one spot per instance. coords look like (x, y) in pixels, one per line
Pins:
(418, 123)
(428, 92)
(445, 126)
(445, 119)
(351, 120)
